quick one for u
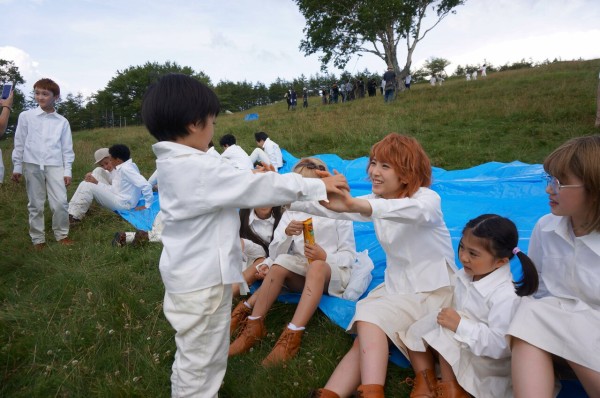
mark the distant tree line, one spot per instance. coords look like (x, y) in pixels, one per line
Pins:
(119, 103)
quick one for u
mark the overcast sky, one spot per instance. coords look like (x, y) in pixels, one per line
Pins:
(83, 43)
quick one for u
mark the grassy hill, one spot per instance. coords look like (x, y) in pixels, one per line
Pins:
(87, 320)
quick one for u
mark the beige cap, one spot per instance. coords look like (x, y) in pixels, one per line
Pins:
(101, 154)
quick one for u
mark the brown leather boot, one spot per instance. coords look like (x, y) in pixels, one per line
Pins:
(239, 314)
(286, 347)
(370, 391)
(252, 331)
(322, 393)
(425, 384)
(450, 389)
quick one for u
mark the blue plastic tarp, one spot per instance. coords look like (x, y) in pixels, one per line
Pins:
(515, 190)
(251, 116)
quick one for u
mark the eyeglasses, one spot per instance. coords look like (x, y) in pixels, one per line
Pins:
(311, 166)
(556, 186)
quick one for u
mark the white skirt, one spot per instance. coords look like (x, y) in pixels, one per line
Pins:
(550, 323)
(395, 313)
(480, 376)
(298, 264)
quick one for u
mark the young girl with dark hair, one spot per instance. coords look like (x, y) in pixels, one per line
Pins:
(256, 232)
(473, 352)
(563, 321)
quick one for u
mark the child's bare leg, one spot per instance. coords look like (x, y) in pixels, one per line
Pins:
(588, 377)
(269, 290)
(374, 352)
(315, 283)
(532, 371)
(345, 379)
(446, 370)
(421, 360)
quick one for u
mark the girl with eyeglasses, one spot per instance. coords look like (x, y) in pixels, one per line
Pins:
(562, 320)
(310, 269)
(409, 224)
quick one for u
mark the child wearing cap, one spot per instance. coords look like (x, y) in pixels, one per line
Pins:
(126, 187)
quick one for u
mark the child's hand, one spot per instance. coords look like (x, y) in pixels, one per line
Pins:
(341, 202)
(16, 177)
(90, 178)
(448, 318)
(336, 183)
(67, 181)
(139, 208)
(294, 228)
(261, 271)
(314, 252)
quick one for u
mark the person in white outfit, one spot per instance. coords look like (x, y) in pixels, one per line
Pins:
(5, 110)
(127, 188)
(470, 336)
(483, 69)
(234, 153)
(200, 198)
(408, 220)
(562, 320)
(313, 269)
(44, 154)
(474, 75)
(268, 151)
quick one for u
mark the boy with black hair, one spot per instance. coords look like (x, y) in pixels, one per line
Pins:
(44, 155)
(200, 195)
(125, 191)
(268, 151)
(235, 154)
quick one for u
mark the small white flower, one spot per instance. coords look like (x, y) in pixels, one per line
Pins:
(50, 352)
(137, 378)
(111, 331)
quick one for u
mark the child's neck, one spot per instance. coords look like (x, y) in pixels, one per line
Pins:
(49, 109)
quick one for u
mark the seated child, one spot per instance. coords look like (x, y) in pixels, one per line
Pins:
(235, 154)
(127, 188)
(268, 152)
(470, 336)
(104, 172)
(256, 232)
(562, 320)
(313, 269)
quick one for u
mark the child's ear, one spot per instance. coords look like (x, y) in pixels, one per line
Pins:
(502, 261)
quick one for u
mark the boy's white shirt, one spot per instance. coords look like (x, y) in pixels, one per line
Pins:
(130, 185)
(414, 236)
(237, 157)
(336, 237)
(272, 150)
(43, 139)
(200, 195)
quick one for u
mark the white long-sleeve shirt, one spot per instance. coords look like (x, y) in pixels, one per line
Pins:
(414, 236)
(237, 157)
(200, 195)
(43, 139)
(273, 152)
(336, 237)
(567, 265)
(129, 185)
(486, 308)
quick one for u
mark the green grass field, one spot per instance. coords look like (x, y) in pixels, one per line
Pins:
(86, 320)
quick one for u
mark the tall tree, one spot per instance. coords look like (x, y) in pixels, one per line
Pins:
(436, 66)
(342, 28)
(122, 96)
(9, 72)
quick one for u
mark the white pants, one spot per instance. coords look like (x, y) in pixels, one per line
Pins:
(87, 191)
(260, 155)
(154, 235)
(1, 168)
(38, 183)
(201, 320)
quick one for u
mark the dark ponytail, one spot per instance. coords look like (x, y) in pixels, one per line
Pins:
(247, 233)
(501, 237)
